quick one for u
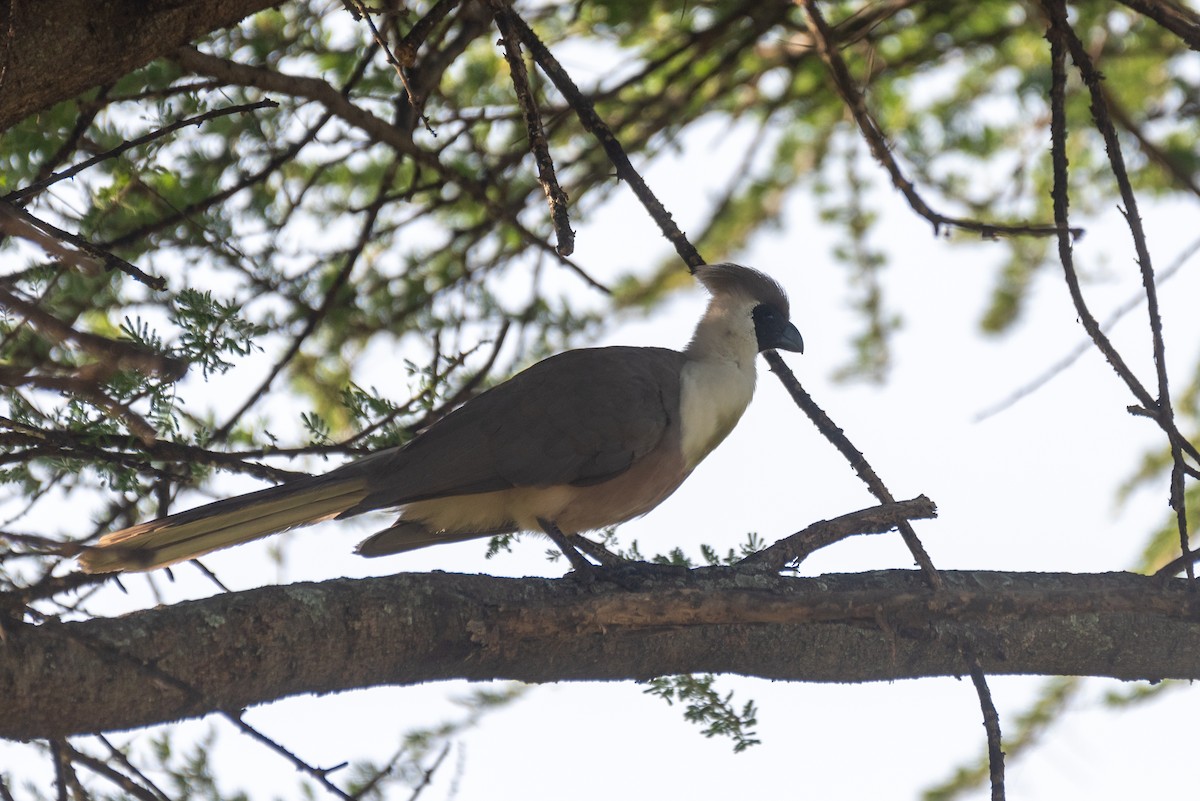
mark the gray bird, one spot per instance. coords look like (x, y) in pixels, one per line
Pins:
(580, 441)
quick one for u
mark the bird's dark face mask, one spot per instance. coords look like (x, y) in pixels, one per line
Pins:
(774, 330)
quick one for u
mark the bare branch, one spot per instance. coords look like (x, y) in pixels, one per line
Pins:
(364, 13)
(1062, 40)
(320, 774)
(824, 533)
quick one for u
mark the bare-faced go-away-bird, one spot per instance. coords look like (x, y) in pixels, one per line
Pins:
(580, 441)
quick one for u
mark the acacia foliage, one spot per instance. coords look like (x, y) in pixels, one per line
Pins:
(359, 216)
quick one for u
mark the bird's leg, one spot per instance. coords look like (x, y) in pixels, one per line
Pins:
(577, 560)
(622, 572)
(597, 551)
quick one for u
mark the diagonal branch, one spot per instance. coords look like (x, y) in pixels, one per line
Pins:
(1179, 20)
(877, 142)
(991, 722)
(968, 645)
(86, 257)
(855, 457)
(39, 186)
(113, 354)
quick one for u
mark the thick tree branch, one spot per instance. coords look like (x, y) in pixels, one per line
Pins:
(231, 651)
(117, 37)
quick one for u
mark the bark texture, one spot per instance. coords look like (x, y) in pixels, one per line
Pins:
(53, 51)
(240, 649)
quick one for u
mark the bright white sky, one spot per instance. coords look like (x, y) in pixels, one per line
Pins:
(1031, 489)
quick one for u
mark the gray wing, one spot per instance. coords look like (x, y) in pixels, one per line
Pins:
(577, 418)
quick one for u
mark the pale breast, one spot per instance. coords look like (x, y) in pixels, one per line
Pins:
(713, 396)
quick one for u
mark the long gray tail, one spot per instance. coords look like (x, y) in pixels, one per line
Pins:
(231, 521)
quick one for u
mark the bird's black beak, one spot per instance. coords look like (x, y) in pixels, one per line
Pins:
(788, 339)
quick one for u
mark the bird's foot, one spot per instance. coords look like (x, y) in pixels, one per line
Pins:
(628, 575)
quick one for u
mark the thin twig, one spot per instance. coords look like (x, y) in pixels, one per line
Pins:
(449, 403)
(320, 774)
(427, 777)
(53, 178)
(877, 142)
(128, 786)
(121, 757)
(1063, 40)
(88, 258)
(367, 787)
(1085, 345)
(506, 21)
(413, 100)
(991, 724)
(616, 153)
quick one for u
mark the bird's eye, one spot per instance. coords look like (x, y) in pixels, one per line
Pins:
(765, 315)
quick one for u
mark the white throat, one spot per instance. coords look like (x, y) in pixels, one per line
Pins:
(717, 382)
